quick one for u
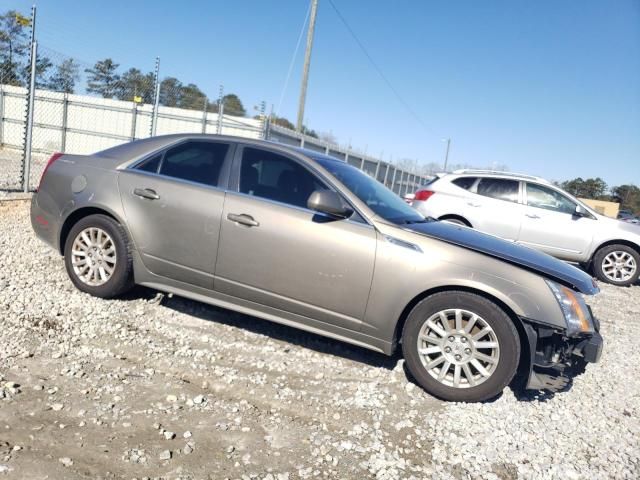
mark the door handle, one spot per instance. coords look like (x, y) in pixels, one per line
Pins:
(471, 204)
(243, 219)
(147, 193)
(532, 215)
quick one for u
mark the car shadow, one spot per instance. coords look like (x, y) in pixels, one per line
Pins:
(267, 328)
(319, 343)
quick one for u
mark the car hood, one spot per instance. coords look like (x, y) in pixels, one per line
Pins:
(510, 252)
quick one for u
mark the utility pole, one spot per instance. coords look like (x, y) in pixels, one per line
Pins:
(307, 61)
(446, 156)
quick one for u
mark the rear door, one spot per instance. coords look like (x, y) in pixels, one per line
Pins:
(173, 203)
(549, 224)
(494, 207)
(276, 252)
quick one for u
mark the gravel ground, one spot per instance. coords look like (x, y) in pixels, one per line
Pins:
(169, 388)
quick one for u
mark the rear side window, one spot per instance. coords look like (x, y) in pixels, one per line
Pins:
(199, 162)
(465, 182)
(150, 164)
(272, 176)
(499, 188)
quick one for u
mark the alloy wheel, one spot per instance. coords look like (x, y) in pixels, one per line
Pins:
(93, 256)
(619, 266)
(458, 348)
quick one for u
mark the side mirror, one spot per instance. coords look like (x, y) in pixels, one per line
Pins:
(329, 202)
(580, 211)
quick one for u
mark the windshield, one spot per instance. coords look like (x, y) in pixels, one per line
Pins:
(378, 198)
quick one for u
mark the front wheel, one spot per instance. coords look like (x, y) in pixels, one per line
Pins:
(617, 264)
(97, 257)
(460, 346)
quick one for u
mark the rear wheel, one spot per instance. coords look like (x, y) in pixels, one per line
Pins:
(617, 264)
(97, 257)
(460, 346)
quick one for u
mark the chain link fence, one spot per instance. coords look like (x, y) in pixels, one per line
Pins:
(58, 103)
(13, 110)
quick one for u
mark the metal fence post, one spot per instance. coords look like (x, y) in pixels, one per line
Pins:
(65, 116)
(26, 162)
(220, 117)
(393, 180)
(156, 99)
(263, 119)
(134, 119)
(204, 116)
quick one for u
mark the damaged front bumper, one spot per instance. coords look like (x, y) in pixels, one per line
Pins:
(556, 358)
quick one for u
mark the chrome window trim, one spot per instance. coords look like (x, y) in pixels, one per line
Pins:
(162, 152)
(301, 209)
(177, 180)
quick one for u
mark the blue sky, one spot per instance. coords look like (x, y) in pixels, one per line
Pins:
(545, 87)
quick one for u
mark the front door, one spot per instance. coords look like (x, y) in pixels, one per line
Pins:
(173, 205)
(549, 224)
(276, 252)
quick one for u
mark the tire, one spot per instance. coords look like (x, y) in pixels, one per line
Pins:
(455, 221)
(114, 259)
(606, 260)
(504, 357)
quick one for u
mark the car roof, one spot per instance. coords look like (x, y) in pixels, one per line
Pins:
(499, 174)
(127, 153)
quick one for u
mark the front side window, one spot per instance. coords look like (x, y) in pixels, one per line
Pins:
(547, 198)
(194, 161)
(498, 188)
(275, 177)
(378, 198)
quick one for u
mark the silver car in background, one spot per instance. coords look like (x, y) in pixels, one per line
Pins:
(303, 239)
(533, 212)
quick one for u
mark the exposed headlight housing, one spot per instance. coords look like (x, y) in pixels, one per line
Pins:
(575, 310)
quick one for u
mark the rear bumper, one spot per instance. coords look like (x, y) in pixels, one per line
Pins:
(555, 358)
(45, 226)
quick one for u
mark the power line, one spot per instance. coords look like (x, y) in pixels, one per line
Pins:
(293, 59)
(378, 69)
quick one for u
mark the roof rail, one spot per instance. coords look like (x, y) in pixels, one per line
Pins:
(501, 173)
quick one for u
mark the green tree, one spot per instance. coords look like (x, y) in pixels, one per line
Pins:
(309, 132)
(43, 64)
(170, 92)
(594, 188)
(233, 105)
(14, 46)
(133, 83)
(65, 77)
(192, 98)
(628, 196)
(282, 122)
(103, 79)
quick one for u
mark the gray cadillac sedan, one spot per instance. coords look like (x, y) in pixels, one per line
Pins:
(303, 239)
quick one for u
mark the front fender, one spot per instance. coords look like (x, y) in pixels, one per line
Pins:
(403, 275)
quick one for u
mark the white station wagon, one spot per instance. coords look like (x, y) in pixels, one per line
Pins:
(534, 212)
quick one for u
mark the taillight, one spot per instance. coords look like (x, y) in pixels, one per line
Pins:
(423, 195)
(53, 158)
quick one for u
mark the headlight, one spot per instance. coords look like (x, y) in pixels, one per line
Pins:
(574, 309)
